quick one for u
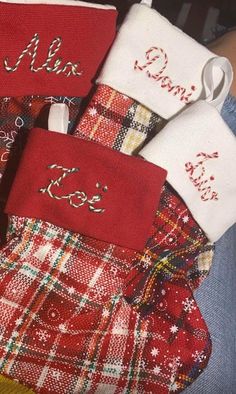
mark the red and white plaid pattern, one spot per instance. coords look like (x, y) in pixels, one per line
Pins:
(83, 316)
(66, 328)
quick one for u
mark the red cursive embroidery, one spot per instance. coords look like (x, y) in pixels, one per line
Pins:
(155, 55)
(196, 175)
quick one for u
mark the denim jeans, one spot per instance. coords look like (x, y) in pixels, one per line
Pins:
(216, 298)
(229, 112)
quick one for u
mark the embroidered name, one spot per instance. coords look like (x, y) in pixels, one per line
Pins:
(158, 57)
(51, 64)
(197, 176)
(78, 198)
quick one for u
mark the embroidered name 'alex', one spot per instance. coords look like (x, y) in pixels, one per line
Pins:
(157, 56)
(196, 175)
(76, 199)
(51, 64)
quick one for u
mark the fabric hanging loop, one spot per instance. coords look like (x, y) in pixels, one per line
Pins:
(147, 2)
(216, 94)
(58, 118)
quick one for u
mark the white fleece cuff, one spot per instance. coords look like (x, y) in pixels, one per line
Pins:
(157, 64)
(198, 150)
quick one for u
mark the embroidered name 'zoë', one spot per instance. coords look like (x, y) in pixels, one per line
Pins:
(78, 198)
(32, 50)
(197, 173)
(158, 57)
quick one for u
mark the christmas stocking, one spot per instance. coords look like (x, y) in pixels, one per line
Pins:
(49, 53)
(67, 327)
(167, 345)
(137, 98)
(68, 258)
(199, 152)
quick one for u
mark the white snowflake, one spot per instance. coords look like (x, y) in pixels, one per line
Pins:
(173, 387)
(185, 219)
(105, 313)
(146, 260)
(173, 363)
(155, 352)
(62, 328)
(18, 321)
(174, 329)
(42, 335)
(157, 369)
(56, 374)
(15, 334)
(199, 356)
(71, 290)
(92, 111)
(189, 305)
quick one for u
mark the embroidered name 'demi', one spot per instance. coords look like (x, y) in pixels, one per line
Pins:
(157, 58)
(51, 64)
(76, 199)
(197, 175)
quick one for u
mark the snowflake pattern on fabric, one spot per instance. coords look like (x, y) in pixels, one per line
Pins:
(68, 327)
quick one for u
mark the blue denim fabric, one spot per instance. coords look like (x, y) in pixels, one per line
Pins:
(229, 112)
(217, 301)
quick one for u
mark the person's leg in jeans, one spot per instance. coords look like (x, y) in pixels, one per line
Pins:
(217, 295)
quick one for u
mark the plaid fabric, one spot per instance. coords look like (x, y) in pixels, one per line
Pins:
(201, 267)
(169, 254)
(117, 121)
(66, 328)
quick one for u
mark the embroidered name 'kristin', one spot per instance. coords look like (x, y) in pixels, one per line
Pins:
(197, 175)
(31, 49)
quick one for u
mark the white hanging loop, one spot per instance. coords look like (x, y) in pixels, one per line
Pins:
(216, 95)
(58, 118)
(147, 2)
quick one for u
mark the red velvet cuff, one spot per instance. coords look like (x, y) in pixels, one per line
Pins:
(87, 188)
(51, 49)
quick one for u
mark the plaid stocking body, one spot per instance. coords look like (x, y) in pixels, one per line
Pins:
(65, 332)
(177, 245)
(117, 121)
(57, 285)
(52, 292)
(66, 313)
